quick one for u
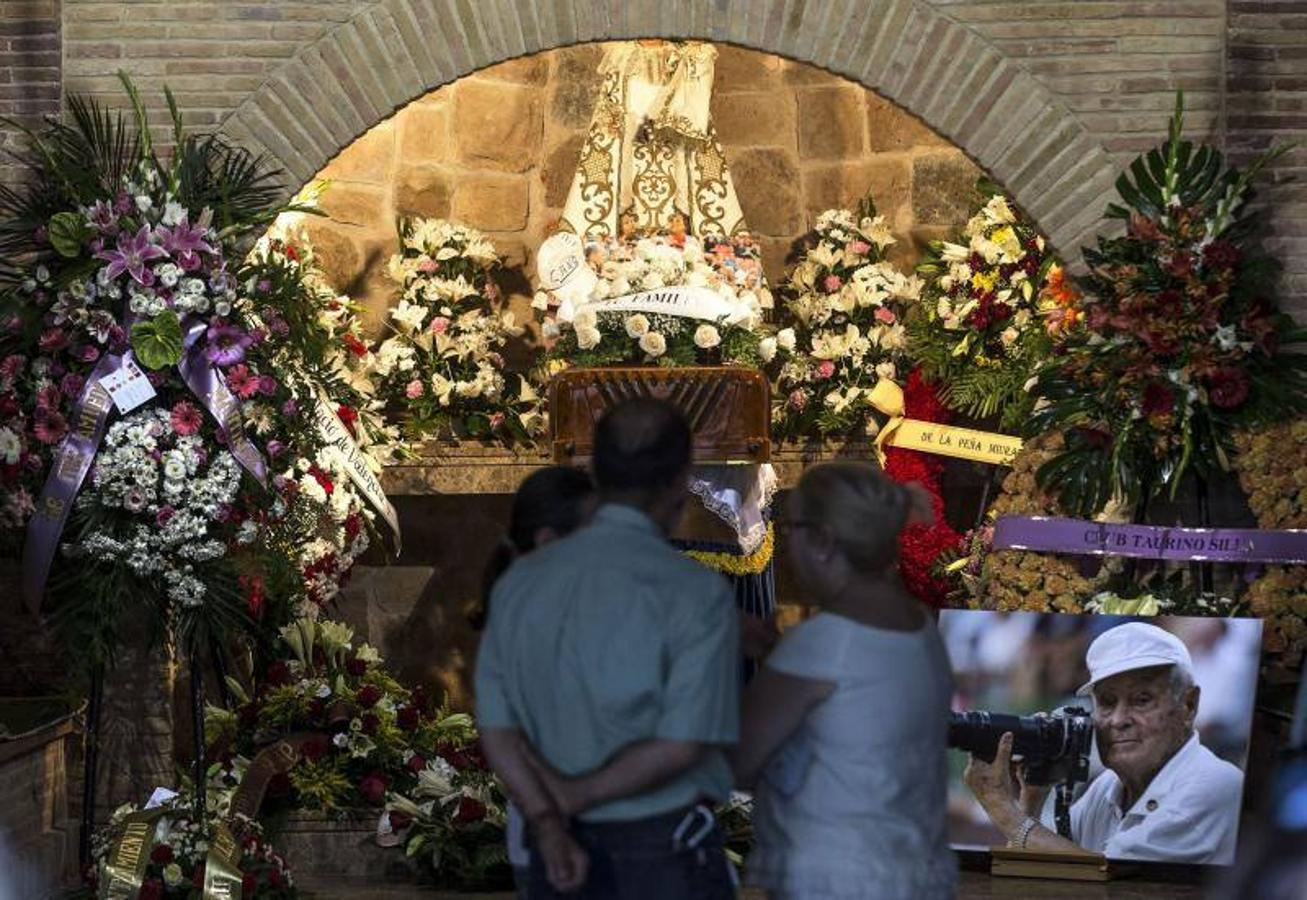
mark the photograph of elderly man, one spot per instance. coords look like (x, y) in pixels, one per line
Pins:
(1157, 792)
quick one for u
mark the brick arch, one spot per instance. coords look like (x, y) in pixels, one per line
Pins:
(955, 80)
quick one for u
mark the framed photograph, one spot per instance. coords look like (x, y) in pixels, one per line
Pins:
(1130, 735)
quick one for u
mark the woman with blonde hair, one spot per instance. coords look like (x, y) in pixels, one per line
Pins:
(843, 731)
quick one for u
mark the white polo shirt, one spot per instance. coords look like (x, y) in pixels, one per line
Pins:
(1188, 814)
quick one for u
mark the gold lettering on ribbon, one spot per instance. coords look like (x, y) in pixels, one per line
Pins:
(964, 443)
(222, 873)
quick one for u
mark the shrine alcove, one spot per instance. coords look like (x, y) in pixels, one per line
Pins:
(497, 151)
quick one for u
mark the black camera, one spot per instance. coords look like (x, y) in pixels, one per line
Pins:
(1055, 746)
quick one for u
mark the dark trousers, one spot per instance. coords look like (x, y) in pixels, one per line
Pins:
(640, 860)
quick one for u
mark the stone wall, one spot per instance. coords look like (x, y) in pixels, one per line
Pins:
(497, 151)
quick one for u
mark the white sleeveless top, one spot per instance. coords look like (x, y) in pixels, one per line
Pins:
(854, 805)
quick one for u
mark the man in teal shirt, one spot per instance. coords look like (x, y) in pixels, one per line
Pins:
(608, 683)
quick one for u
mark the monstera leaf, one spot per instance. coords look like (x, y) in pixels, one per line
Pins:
(1177, 174)
(157, 342)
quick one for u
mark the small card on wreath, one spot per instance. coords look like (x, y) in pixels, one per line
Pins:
(1066, 866)
(128, 386)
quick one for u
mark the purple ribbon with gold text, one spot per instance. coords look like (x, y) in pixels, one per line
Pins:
(77, 451)
(1055, 535)
(207, 383)
(72, 460)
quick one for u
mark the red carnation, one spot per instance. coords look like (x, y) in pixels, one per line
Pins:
(161, 855)
(348, 417)
(408, 718)
(470, 810)
(357, 347)
(368, 696)
(1221, 255)
(1228, 387)
(322, 478)
(373, 788)
(356, 667)
(151, 890)
(399, 820)
(370, 723)
(416, 763)
(1158, 400)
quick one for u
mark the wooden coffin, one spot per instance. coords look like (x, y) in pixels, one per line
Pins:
(728, 408)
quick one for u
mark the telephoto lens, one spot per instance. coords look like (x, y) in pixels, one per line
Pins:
(1053, 745)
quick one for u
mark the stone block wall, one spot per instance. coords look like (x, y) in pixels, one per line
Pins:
(497, 151)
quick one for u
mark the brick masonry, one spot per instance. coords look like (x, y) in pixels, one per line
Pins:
(1049, 97)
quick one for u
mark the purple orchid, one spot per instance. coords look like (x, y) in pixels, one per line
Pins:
(186, 241)
(226, 344)
(132, 253)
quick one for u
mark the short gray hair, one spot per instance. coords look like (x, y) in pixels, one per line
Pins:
(1181, 680)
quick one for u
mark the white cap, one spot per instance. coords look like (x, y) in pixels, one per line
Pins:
(1134, 645)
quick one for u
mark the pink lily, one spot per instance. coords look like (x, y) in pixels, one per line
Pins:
(131, 255)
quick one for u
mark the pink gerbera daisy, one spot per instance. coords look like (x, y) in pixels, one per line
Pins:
(186, 419)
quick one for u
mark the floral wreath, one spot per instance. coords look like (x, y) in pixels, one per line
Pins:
(989, 312)
(1269, 465)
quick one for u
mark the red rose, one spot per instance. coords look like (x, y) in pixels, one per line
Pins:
(370, 723)
(161, 855)
(315, 748)
(278, 673)
(151, 890)
(470, 810)
(373, 788)
(399, 821)
(416, 763)
(356, 666)
(408, 718)
(1228, 387)
(1158, 400)
(368, 696)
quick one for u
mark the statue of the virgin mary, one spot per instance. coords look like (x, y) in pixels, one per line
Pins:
(651, 151)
